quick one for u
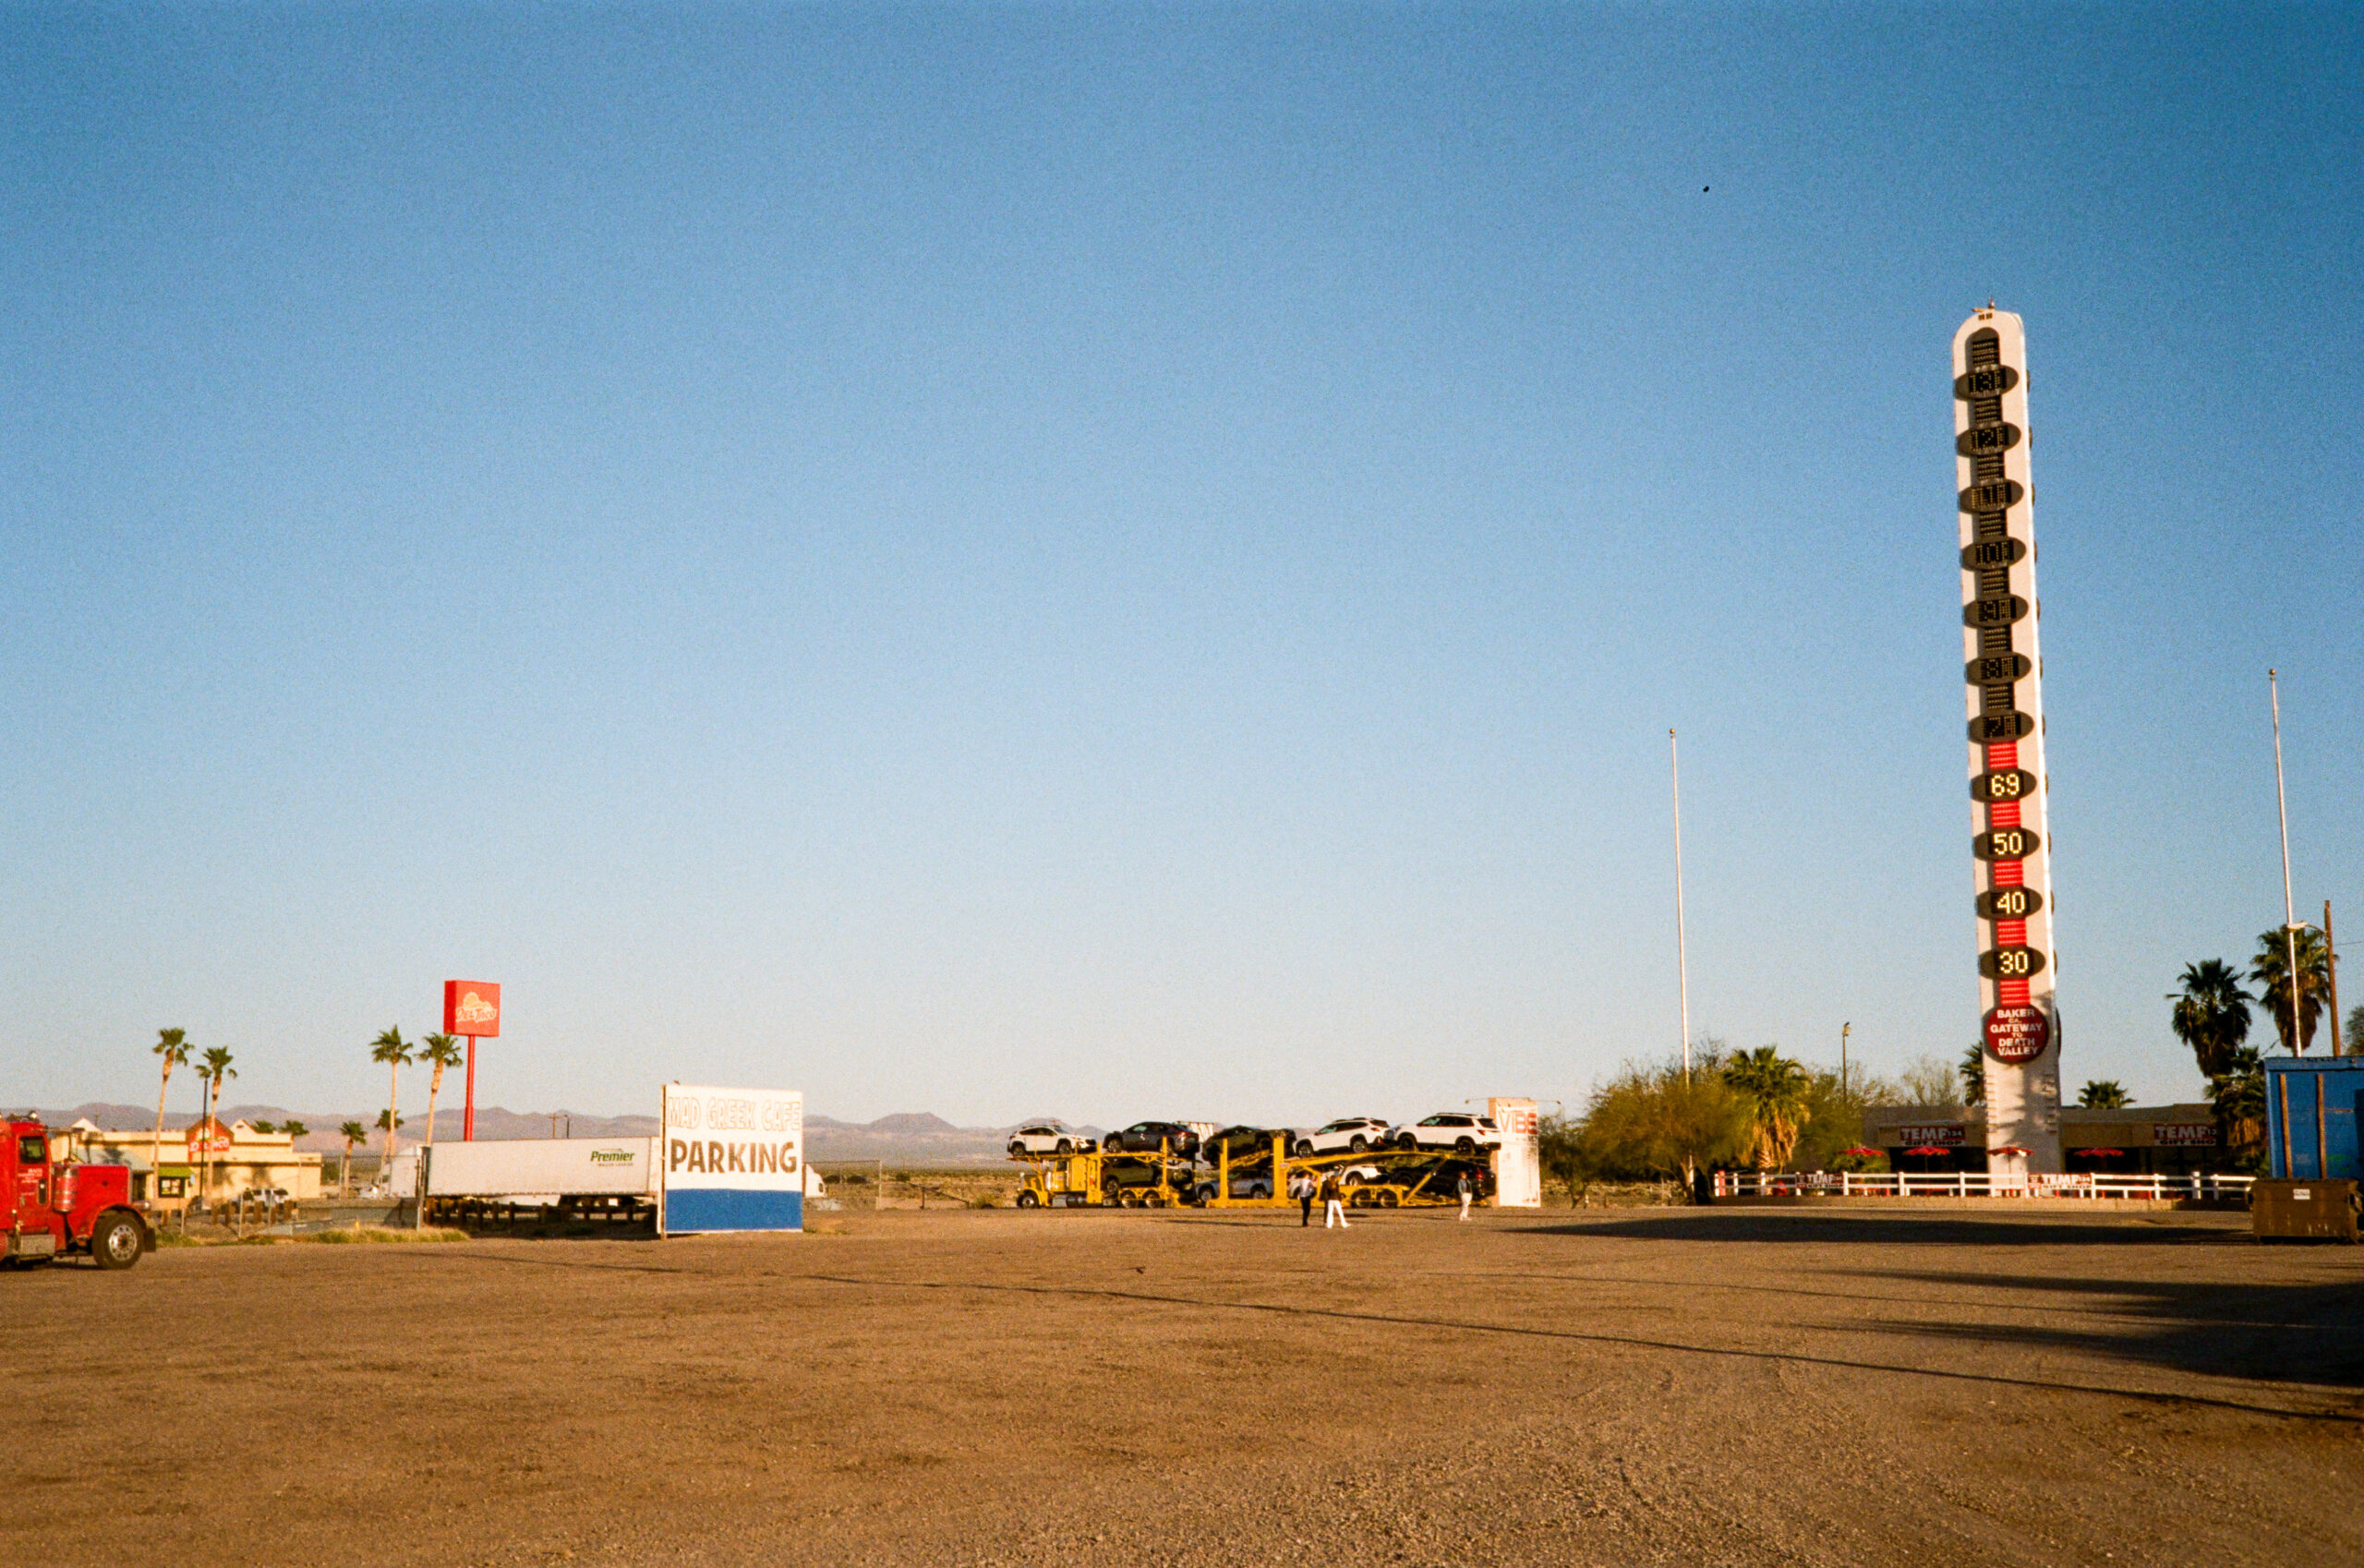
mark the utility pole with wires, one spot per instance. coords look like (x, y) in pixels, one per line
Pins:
(2331, 970)
(1681, 958)
(2289, 911)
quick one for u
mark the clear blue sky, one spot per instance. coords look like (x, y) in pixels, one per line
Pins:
(1139, 562)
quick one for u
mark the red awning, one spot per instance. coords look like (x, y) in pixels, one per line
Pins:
(2111, 1153)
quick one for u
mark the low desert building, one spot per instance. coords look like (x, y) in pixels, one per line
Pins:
(225, 1160)
(2136, 1140)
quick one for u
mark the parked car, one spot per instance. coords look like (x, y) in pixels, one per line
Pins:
(1143, 1138)
(1245, 1143)
(1049, 1137)
(1347, 1135)
(1241, 1186)
(1456, 1131)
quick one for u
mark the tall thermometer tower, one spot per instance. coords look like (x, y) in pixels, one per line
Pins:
(2004, 669)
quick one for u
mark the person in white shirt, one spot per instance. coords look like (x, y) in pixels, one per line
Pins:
(1301, 1188)
(1468, 1190)
(1336, 1212)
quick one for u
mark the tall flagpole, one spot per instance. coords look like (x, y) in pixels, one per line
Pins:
(2289, 912)
(1681, 958)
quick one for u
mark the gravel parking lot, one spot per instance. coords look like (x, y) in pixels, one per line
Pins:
(1679, 1386)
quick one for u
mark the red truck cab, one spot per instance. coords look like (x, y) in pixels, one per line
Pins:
(50, 1207)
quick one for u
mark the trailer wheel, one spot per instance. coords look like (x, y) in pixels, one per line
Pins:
(1389, 1199)
(1027, 1200)
(114, 1241)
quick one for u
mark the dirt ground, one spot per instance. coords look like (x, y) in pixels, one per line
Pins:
(1678, 1386)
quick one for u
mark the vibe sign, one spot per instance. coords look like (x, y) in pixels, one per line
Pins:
(2003, 669)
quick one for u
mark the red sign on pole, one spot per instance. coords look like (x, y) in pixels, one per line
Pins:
(472, 1009)
(2016, 1034)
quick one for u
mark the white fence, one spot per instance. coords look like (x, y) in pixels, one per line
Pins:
(1977, 1184)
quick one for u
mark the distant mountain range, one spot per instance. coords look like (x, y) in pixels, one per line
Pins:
(916, 1136)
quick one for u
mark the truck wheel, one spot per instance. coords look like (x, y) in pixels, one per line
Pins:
(114, 1241)
(1027, 1200)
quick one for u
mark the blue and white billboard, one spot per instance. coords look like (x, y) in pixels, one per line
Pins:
(733, 1159)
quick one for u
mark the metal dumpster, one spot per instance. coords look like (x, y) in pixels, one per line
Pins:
(2311, 1115)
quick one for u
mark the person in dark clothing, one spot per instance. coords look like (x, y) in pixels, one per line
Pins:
(1301, 1188)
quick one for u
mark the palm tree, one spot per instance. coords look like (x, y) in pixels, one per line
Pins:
(217, 1067)
(394, 1051)
(2211, 1014)
(2272, 972)
(1973, 1076)
(443, 1050)
(389, 1124)
(173, 1045)
(353, 1133)
(1774, 1089)
(2104, 1094)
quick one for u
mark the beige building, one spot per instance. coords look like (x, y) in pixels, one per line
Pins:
(2137, 1141)
(225, 1159)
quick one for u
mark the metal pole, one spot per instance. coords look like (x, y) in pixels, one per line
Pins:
(1844, 1029)
(2330, 962)
(1681, 956)
(469, 1122)
(2290, 915)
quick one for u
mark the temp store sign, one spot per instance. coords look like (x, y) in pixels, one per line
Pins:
(732, 1159)
(2003, 671)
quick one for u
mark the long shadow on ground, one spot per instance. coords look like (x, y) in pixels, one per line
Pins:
(2302, 1333)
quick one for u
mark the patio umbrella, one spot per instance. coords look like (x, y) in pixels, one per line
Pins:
(2007, 1149)
(1861, 1152)
(1928, 1149)
(2107, 1153)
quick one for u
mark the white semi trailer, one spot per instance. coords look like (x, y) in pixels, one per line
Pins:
(610, 1176)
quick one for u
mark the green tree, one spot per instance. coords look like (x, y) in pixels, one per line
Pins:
(2356, 1030)
(1654, 1122)
(2104, 1094)
(2211, 1015)
(1835, 1114)
(443, 1050)
(1772, 1089)
(353, 1133)
(2238, 1096)
(215, 1069)
(265, 1128)
(1973, 1076)
(293, 1129)
(2272, 972)
(172, 1046)
(391, 1048)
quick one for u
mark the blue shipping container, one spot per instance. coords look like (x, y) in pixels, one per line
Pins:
(2311, 1108)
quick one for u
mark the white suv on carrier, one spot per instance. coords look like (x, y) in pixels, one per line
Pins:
(1456, 1131)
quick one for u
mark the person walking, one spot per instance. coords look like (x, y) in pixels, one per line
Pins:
(1334, 1211)
(1468, 1190)
(1301, 1188)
